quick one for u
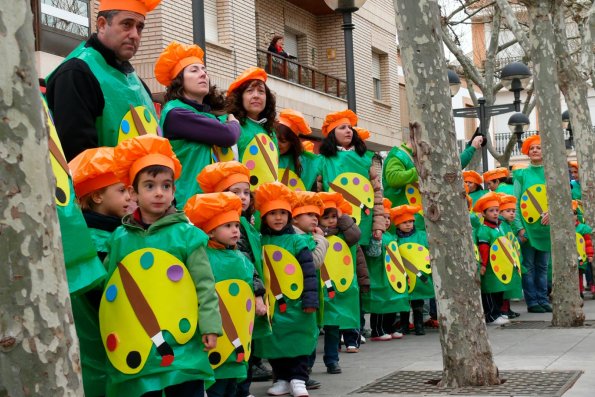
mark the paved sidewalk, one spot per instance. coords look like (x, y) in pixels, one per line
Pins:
(514, 349)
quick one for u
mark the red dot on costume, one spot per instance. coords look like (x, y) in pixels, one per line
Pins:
(388, 268)
(347, 260)
(393, 278)
(524, 205)
(493, 257)
(250, 164)
(413, 200)
(289, 269)
(263, 138)
(111, 342)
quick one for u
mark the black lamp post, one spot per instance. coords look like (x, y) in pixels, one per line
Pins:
(518, 124)
(568, 127)
(515, 77)
(348, 7)
(198, 26)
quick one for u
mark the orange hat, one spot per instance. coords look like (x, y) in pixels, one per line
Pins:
(308, 146)
(387, 205)
(333, 120)
(575, 205)
(507, 202)
(306, 203)
(174, 59)
(295, 121)
(207, 211)
(472, 176)
(519, 166)
(491, 199)
(403, 213)
(252, 73)
(92, 170)
(219, 176)
(132, 155)
(573, 164)
(273, 196)
(532, 140)
(363, 133)
(496, 173)
(335, 200)
(139, 6)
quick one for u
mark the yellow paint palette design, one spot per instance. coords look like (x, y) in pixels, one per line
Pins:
(416, 260)
(221, 154)
(283, 277)
(581, 247)
(236, 302)
(133, 311)
(137, 121)
(394, 269)
(533, 203)
(504, 259)
(413, 195)
(262, 159)
(357, 191)
(290, 179)
(58, 161)
(336, 273)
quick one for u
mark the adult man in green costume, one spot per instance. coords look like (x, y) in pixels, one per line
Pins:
(95, 95)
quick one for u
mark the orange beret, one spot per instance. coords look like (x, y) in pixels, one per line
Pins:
(507, 201)
(472, 176)
(93, 170)
(308, 146)
(273, 196)
(174, 59)
(132, 155)
(532, 140)
(306, 203)
(363, 133)
(496, 173)
(295, 121)
(207, 211)
(573, 164)
(333, 120)
(403, 213)
(252, 73)
(336, 200)
(139, 6)
(491, 199)
(387, 205)
(519, 166)
(218, 177)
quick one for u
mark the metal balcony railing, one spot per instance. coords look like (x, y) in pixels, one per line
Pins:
(290, 70)
(501, 140)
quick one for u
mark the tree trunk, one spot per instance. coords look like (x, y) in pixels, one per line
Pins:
(466, 351)
(565, 297)
(38, 345)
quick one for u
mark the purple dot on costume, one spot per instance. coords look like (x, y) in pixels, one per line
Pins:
(356, 181)
(366, 188)
(249, 304)
(250, 164)
(111, 293)
(272, 146)
(175, 273)
(292, 182)
(337, 246)
(580, 240)
(289, 269)
(420, 248)
(277, 255)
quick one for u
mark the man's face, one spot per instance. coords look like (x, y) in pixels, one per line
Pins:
(123, 34)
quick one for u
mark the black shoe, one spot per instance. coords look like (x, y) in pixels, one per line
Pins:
(536, 309)
(312, 384)
(333, 368)
(309, 369)
(260, 373)
(512, 314)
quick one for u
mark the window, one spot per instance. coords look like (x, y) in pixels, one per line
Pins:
(60, 25)
(211, 29)
(376, 76)
(290, 44)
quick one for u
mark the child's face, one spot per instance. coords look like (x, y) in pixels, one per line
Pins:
(493, 184)
(491, 214)
(115, 201)
(276, 219)
(227, 234)
(154, 196)
(508, 214)
(344, 135)
(471, 185)
(329, 219)
(284, 144)
(306, 222)
(242, 190)
(386, 221)
(406, 226)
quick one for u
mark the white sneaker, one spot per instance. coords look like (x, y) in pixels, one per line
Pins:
(279, 388)
(362, 339)
(500, 321)
(298, 388)
(396, 335)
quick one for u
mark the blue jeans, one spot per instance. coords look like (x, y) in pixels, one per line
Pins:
(332, 338)
(193, 388)
(535, 278)
(223, 388)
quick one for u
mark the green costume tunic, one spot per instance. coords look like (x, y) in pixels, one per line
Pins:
(339, 285)
(194, 156)
(287, 176)
(416, 260)
(516, 285)
(575, 190)
(128, 111)
(259, 152)
(166, 264)
(233, 277)
(348, 173)
(505, 188)
(581, 230)
(476, 195)
(388, 280)
(495, 277)
(295, 333)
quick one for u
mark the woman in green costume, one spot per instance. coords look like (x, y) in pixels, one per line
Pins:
(474, 181)
(189, 118)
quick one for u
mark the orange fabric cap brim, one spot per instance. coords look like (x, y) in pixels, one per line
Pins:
(90, 185)
(337, 123)
(221, 219)
(507, 206)
(532, 140)
(495, 174)
(249, 74)
(183, 63)
(149, 160)
(473, 177)
(275, 205)
(124, 5)
(397, 220)
(231, 180)
(306, 209)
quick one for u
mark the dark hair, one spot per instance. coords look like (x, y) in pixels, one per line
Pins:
(152, 170)
(234, 105)
(327, 211)
(296, 149)
(328, 148)
(478, 186)
(214, 98)
(108, 15)
(275, 39)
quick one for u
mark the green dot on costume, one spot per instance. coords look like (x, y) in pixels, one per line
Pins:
(147, 115)
(125, 126)
(214, 358)
(60, 195)
(344, 181)
(409, 246)
(184, 325)
(343, 281)
(146, 260)
(538, 189)
(294, 287)
(111, 292)
(133, 359)
(234, 289)
(224, 150)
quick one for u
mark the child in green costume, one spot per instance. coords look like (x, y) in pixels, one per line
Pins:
(507, 216)
(584, 246)
(474, 182)
(155, 333)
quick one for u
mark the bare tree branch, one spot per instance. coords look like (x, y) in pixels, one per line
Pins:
(465, 62)
(514, 25)
(472, 14)
(462, 7)
(504, 46)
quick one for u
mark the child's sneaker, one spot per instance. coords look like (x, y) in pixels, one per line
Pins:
(352, 349)
(362, 339)
(298, 388)
(396, 335)
(280, 388)
(384, 337)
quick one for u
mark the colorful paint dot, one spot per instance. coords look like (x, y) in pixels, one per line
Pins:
(393, 246)
(538, 189)
(356, 181)
(234, 289)
(277, 255)
(251, 327)
(224, 150)
(248, 304)
(175, 273)
(184, 325)
(253, 149)
(133, 359)
(580, 240)
(293, 287)
(525, 198)
(493, 257)
(337, 246)
(111, 342)
(496, 269)
(409, 246)
(272, 146)
(111, 293)
(347, 260)
(393, 278)
(524, 205)
(525, 213)
(388, 267)
(146, 260)
(343, 281)
(366, 188)
(344, 181)
(420, 248)
(125, 126)
(410, 190)
(427, 258)
(292, 182)
(413, 200)
(263, 138)
(147, 115)
(387, 258)
(495, 247)
(530, 219)
(289, 269)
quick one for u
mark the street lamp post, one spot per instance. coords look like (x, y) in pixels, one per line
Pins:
(515, 77)
(568, 127)
(347, 8)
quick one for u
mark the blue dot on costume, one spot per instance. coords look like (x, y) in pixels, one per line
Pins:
(234, 289)
(410, 190)
(147, 260)
(111, 293)
(253, 150)
(184, 325)
(387, 258)
(125, 126)
(294, 287)
(344, 181)
(525, 198)
(495, 247)
(147, 115)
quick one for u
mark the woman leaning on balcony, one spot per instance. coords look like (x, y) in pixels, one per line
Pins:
(189, 118)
